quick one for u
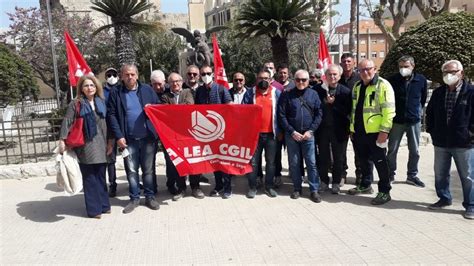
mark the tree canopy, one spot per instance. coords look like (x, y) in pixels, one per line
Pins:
(441, 38)
(16, 78)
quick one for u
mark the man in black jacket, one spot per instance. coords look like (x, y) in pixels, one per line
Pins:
(333, 133)
(450, 121)
(299, 114)
(410, 90)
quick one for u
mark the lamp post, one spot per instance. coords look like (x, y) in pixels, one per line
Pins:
(53, 53)
(357, 33)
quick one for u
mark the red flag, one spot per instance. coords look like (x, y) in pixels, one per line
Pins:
(208, 138)
(324, 60)
(76, 63)
(219, 71)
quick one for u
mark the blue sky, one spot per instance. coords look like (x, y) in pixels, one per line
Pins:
(167, 6)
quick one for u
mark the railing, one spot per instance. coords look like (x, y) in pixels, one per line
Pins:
(24, 109)
(28, 140)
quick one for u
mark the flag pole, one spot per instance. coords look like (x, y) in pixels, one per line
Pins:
(55, 64)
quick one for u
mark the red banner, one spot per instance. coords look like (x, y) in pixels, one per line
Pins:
(324, 59)
(76, 63)
(208, 138)
(219, 70)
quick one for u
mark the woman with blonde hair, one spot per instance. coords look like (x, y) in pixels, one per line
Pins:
(93, 155)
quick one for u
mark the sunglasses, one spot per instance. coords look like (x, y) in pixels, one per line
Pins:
(300, 80)
(206, 74)
(110, 75)
(238, 80)
(192, 74)
(367, 69)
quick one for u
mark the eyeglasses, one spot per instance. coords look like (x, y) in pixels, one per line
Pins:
(206, 74)
(157, 84)
(238, 80)
(451, 71)
(175, 81)
(300, 80)
(367, 69)
(264, 78)
(111, 74)
(192, 74)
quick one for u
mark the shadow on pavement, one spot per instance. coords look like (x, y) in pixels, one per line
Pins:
(52, 210)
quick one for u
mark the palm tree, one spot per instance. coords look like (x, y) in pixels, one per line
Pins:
(276, 19)
(121, 13)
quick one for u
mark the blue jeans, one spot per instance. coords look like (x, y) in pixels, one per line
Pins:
(464, 160)
(267, 142)
(307, 149)
(142, 153)
(413, 137)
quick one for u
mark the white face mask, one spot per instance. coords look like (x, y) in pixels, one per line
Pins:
(405, 72)
(112, 80)
(450, 79)
(207, 79)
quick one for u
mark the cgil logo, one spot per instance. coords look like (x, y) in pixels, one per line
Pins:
(203, 129)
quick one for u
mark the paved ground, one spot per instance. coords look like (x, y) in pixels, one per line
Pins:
(40, 225)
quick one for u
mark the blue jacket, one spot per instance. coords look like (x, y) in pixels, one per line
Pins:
(215, 95)
(459, 133)
(117, 110)
(293, 115)
(249, 98)
(410, 98)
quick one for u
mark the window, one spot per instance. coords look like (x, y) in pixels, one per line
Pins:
(228, 14)
(362, 41)
(362, 56)
(374, 41)
(374, 54)
(381, 40)
(381, 54)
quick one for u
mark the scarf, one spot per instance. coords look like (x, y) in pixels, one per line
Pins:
(90, 126)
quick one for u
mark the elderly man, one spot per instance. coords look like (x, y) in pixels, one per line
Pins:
(238, 89)
(315, 77)
(450, 121)
(158, 82)
(410, 90)
(373, 109)
(333, 132)
(299, 114)
(178, 95)
(266, 96)
(134, 131)
(212, 93)
(192, 80)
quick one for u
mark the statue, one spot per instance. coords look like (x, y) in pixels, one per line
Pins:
(201, 52)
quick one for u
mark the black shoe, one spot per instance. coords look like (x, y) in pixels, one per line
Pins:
(131, 206)
(197, 193)
(315, 197)
(215, 193)
(360, 190)
(179, 195)
(415, 181)
(227, 195)
(381, 198)
(252, 193)
(271, 192)
(152, 203)
(295, 195)
(112, 193)
(439, 205)
(203, 179)
(173, 191)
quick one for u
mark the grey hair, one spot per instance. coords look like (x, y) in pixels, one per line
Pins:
(457, 62)
(127, 66)
(157, 75)
(316, 72)
(407, 58)
(174, 74)
(331, 66)
(302, 71)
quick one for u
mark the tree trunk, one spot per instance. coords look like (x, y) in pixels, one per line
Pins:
(353, 29)
(124, 44)
(279, 51)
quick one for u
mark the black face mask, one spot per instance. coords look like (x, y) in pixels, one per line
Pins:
(313, 83)
(263, 84)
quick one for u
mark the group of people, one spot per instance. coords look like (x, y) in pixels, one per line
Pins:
(314, 115)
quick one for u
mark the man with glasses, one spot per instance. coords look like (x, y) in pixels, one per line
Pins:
(238, 89)
(450, 121)
(373, 109)
(266, 96)
(178, 95)
(192, 79)
(212, 93)
(410, 90)
(299, 114)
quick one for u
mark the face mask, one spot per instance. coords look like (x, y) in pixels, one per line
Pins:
(450, 79)
(112, 80)
(207, 79)
(405, 72)
(313, 83)
(263, 85)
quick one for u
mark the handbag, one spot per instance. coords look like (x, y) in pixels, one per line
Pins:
(75, 138)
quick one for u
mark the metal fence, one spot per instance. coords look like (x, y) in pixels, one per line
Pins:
(25, 109)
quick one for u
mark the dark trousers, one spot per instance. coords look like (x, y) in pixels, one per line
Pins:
(327, 145)
(368, 151)
(278, 166)
(172, 174)
(223, 182)
(358, 171)
(111, 171)
(95, 188)
(267, 142)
